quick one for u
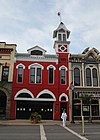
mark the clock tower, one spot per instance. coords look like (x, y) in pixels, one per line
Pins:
(61, 34)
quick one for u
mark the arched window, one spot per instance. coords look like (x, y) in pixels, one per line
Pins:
(36, 73)
(20, 74)
(88, 77)
(51, 75)
(95, 79)
(20, 71)
(63, 76)
(76, 77)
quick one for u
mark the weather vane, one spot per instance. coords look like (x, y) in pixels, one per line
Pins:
(59, 14)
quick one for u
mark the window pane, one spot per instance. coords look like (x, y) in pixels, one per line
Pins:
(59, 37)
(5, 73)
(64, 37)
(32, 75)
(88, 77)
(95, 79)
(51, 75)
(20, 73)
(76, 77)
(63, 76)
(38, 78)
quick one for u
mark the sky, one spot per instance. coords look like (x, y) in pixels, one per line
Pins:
(28, 23)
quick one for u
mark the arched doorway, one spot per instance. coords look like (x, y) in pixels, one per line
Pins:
(63, 103)
(3, 101)
(26, 104)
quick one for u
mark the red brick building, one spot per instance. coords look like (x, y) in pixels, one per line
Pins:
(40, 80)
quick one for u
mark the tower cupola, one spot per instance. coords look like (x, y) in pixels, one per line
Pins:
(61, 34)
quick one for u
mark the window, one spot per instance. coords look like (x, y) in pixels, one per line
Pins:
(20, 74)
(95, 79)
(5, 73)
(51, 71)
(91, 77)
(63, 76)
(64, 37)
(59, 37)
(35, 75)
(36, 52)
(32, 75)
(76, 77)
(88, 77)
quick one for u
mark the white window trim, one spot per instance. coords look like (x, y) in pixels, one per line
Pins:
(63, 95)
(63, 67)
(23, 91)
(91, 68)
(36, 65)
(20, 65)
(36, 75)
(80, 73)
(54, 68)
(22, 73)
(61, 36)
(51, 66)
(48, 92)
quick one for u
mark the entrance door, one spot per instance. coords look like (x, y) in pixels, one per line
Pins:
(25, 108)
(3, 100)
(63, 106)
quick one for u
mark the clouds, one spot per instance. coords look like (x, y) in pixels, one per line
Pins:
(31, 22)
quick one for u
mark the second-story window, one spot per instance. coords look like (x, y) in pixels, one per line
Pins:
(91, 76)
(5, 73)
(76, 77)
(88, 77)
(95, 78)
(20, 74)
(63, 76)
(51, 71)
(35, 74)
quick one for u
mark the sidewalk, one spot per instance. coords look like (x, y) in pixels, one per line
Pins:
(28, 122)
(45, 122)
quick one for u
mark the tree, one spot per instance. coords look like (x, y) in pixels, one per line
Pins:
(86, 100)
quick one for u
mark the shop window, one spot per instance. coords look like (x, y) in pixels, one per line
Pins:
(5, 73)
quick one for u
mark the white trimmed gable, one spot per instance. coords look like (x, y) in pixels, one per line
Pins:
(37, 49)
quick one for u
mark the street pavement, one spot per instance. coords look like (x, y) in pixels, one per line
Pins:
(47, 130)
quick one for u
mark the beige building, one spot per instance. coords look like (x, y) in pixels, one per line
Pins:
(7, 58)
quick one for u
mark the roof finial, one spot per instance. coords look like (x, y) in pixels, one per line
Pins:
(59, 14)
